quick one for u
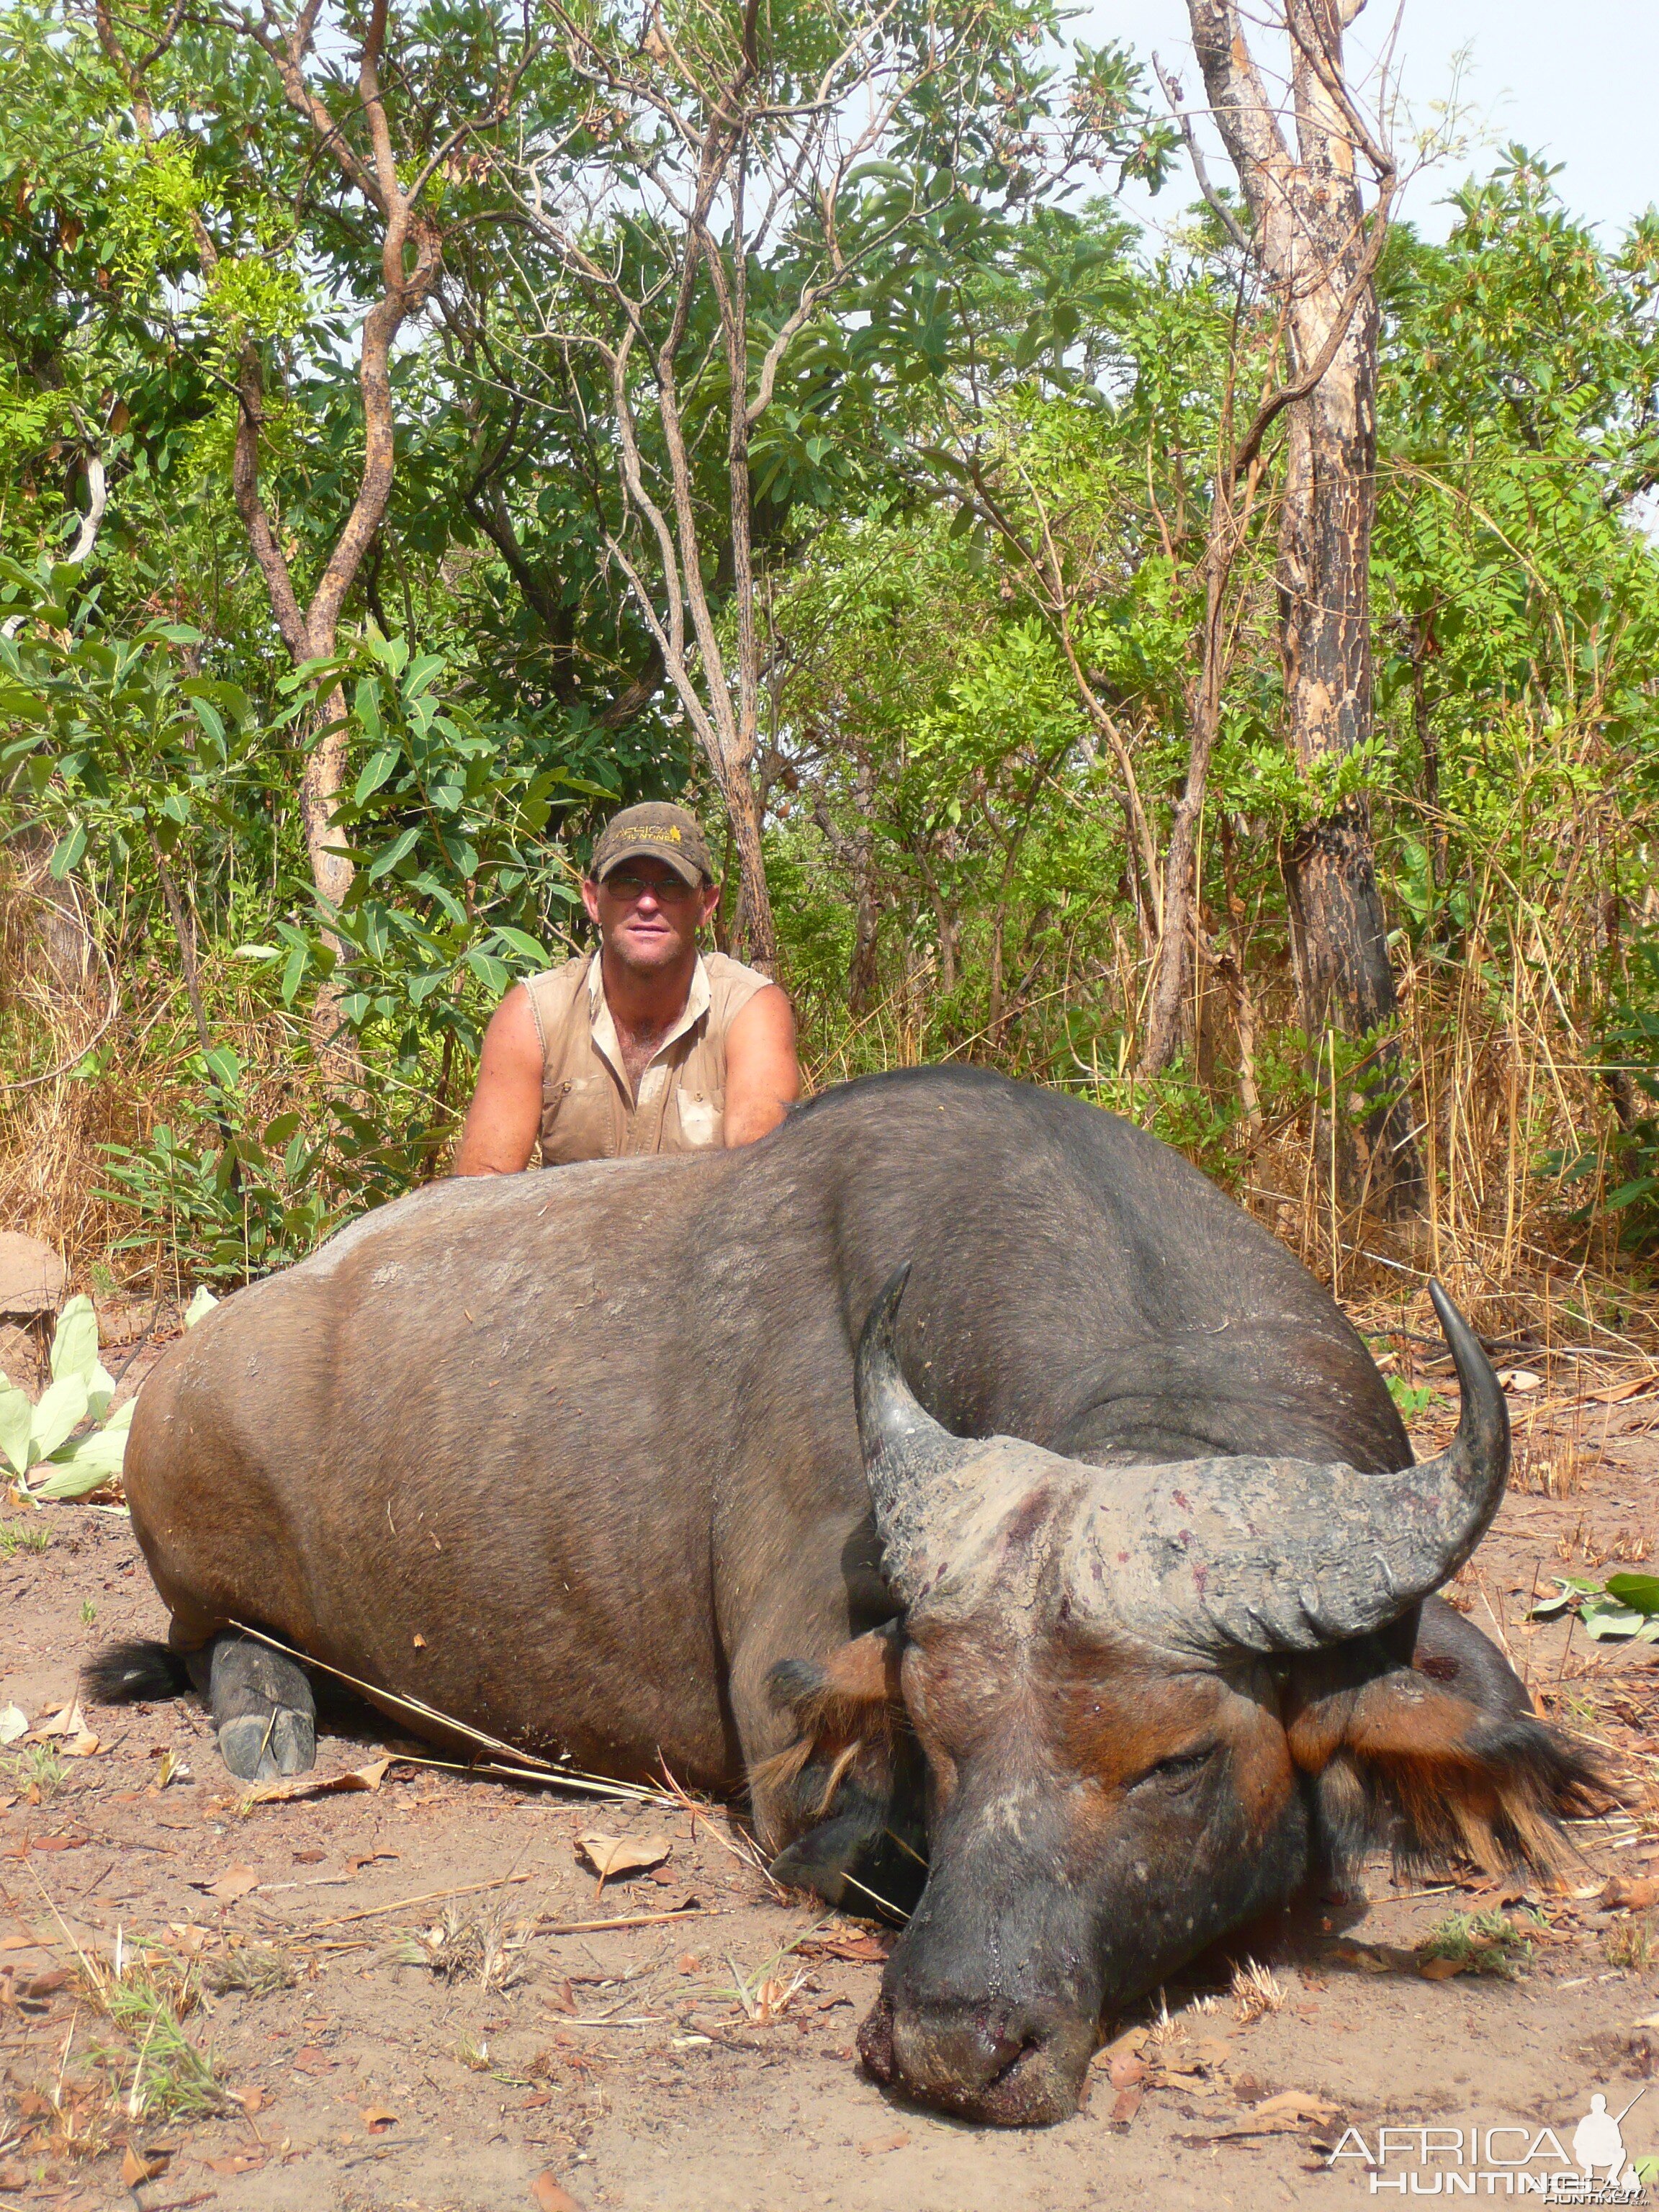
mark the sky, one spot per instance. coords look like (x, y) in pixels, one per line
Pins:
(1574, 83)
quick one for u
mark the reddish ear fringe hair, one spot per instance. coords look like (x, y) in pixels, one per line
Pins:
(1498, 1800)
(838, 1719)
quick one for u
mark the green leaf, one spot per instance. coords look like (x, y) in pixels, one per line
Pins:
(294, 970)
(1639, 1592)
(96, 1460)
(16, 1425)
(66, 853)
(519, 941)
(1604, 1617)
(387, 859)
(374, 771)
(75, 1341)
(62, 1404)
(201, 1305)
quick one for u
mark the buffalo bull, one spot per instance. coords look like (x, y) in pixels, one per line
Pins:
(1092, 1609)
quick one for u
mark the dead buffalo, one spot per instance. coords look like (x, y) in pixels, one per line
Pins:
(575, 1458)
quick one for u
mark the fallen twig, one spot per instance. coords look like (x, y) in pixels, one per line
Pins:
(547, 1769)
(428, 1897)
(622, 1920)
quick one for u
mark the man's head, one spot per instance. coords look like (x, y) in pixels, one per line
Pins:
(651, 885)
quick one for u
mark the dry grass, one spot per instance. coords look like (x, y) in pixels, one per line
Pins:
(1256, 1991)
(1631, 1945)
(469, 1947)
(1501, 1041)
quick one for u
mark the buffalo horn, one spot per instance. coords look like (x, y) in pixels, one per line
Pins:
(908, 1457)
(1285, 1555)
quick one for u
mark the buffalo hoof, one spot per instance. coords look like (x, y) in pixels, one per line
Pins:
(265, 1746)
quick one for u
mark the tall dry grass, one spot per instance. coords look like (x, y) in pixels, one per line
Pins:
(1501, 1038)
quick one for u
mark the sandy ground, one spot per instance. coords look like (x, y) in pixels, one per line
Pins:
(440, 2035)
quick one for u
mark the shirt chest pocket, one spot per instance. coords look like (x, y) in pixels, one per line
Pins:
(702, 1118)
(577, 1119)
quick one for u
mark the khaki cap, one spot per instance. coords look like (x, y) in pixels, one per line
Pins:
(654, 831)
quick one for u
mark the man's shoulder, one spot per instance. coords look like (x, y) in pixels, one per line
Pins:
(553, 992)
(730, 987)
(730, 982)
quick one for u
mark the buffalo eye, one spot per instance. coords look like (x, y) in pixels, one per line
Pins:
(1178, 1772)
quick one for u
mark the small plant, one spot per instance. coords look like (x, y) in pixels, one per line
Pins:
(1481, 1943)
(88, 1612)
(1631, 1946)
(258, 1970)
(1256, 1991)
(1412, 1398)
(148, 1999)
(462, 1950)
(17, 1536)
(473, 2054)
(39, 1772)
(1623, 1605)
(78, 1393)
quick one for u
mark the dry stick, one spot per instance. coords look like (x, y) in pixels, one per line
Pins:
(575, 1777)
(428, 1897)
(622, 1793)
(622, 1920)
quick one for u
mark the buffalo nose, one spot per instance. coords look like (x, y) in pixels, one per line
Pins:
(1013, 2064)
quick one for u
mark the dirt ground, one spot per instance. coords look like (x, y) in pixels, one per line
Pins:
(399, 2009)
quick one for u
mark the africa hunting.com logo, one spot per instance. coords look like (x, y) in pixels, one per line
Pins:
(1597, 2168)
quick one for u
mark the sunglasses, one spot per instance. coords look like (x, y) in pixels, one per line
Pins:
(667, 891)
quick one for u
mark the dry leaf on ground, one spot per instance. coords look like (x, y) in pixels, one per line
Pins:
(69, 1721)
(377, 2118)
(235, 1881)
(1297, 2106)
(321, 1785)
(859, 1950)
(612, 1856)
(138, 2166)
(549, 2195)
(878, 2145)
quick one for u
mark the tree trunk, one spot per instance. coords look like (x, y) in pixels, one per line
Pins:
(1312, 240)
(856, 853)
(1339, 934)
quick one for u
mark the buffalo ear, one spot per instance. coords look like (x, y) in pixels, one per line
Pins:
(842, 1797)
(1408, 1759)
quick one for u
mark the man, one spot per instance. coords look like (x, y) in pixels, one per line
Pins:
(645, 1046)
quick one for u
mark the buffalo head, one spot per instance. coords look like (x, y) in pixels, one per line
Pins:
(1140, 1705)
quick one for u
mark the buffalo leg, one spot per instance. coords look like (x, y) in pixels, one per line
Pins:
(263, 1710)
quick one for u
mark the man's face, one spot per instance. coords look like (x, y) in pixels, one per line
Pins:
(648, 917)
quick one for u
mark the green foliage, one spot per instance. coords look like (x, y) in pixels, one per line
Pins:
(69, 1430)
(1482, 1943)
(1624, 1605)
(1412, 1399)
(23, 1536)
(981, 489)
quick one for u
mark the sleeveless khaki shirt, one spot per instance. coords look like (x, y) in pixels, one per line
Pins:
(588, 1112)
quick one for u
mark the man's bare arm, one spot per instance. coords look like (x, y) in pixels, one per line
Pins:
(762, 1077)
(504, 1117)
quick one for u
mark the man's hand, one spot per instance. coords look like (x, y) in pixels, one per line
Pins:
(763, 1078)
(504, 1117)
